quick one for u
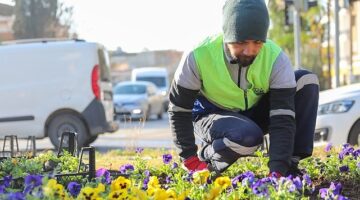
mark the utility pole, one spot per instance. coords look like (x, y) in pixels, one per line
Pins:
(328, 45)
(337, 56)
(297, 32)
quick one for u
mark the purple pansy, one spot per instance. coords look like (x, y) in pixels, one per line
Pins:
(34, 180)
(335, 188)
(323, 192)
(356, 153)
(74, 188)
(124, 169)
(104, 174)
(358, 164)
(167, 158)
(260, 189)
(139, 150)
(16, 196)
(298, 183)
(145, 183)
(168, 179)
(189, 176)
(7, 180)
(328, 147)
(2, 189)
(307, 179)
(147, 173)
(174, 165)
(344, 168)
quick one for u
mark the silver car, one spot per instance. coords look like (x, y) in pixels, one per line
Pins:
(137, 99)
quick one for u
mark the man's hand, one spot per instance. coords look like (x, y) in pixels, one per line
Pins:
(194, 164)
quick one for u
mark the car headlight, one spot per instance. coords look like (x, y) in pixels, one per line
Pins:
(335, 107)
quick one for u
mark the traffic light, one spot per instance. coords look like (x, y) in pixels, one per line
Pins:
(300, 5)
(288, 12)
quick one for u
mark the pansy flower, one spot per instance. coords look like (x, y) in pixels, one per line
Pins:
(223, 182)
(124, 169)
(121, 183)
(104, 174)
(167, 158)
(74, 188)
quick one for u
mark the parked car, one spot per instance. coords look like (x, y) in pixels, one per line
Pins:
(157, 75)
(338, 119)
(137, 99)
(48, 87)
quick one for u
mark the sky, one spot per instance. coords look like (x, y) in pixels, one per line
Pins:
(135, 25)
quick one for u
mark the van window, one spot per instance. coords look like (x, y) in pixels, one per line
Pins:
(104, 65)
(158, 81)
(130, 89)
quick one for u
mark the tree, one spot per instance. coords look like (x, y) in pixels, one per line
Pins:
(41, 19)
(312, 32)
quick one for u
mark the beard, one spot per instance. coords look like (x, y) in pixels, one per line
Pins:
(242, 60)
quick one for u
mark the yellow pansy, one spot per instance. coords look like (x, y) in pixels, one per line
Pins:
(214, 192)
(119, 194)
(183, 195)
(138, 194)
(160, 194)
(171, 194)
(153, 182)
(150, 191)
(200, 177)
(89, 193)
(53, 189)
(223, 182)
(121, 183)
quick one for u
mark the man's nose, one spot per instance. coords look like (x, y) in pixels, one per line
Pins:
(250, 50)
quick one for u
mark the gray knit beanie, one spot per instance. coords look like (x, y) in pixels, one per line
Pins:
(245, 20)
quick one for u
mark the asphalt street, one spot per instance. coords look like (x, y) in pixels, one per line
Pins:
(152, 133)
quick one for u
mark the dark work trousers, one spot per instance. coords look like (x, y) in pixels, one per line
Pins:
(227, 136)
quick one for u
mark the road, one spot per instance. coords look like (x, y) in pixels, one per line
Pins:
(131, 134)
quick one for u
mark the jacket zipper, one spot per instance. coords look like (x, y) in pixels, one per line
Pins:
(245, 90)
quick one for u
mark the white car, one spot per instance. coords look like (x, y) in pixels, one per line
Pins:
(338, 119)
(137, 99)
(48, 87)
(157, 75)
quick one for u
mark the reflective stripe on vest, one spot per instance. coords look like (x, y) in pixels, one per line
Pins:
(217, 85)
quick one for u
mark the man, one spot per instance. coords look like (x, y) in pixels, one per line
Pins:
(236, 86)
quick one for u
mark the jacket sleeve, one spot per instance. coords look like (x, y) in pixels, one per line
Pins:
(282, 114)
(183, 92)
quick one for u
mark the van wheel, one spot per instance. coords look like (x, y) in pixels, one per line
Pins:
(91, 139)
(354, 135)
(67, 122)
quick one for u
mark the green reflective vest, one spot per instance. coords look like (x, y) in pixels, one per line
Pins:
(217, 85)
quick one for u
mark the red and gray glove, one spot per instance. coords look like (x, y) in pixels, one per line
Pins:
(274, 174)
(194, 164)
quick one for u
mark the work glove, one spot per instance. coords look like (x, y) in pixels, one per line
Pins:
(193, 163)
(275, 174)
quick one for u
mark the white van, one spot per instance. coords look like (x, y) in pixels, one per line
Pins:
(157, 75)
(48, 87)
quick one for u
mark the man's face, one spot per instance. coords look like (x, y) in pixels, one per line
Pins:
(244, 52)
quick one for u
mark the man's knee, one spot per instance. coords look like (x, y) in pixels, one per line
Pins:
(244, 141)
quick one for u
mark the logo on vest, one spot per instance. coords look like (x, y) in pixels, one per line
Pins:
(258, 91)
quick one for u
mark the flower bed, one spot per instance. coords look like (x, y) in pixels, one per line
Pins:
(336, 176)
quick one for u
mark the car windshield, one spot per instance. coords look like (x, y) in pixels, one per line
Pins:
(158, 81)
(130, 89)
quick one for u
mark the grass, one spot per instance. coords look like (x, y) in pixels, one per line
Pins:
(113, 159)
